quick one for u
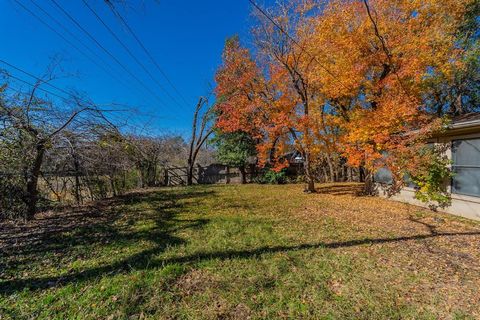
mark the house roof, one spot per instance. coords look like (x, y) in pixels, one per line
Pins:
(472, 117)
(464, 124)
(293, 157)
(466, 120)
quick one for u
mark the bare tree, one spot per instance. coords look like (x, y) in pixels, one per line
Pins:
(34, 123)
(201, 130)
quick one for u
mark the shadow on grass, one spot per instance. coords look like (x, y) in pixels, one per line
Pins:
(109, 225)
(90, 224)
(108, 222)
(142, 260)
(341, 189)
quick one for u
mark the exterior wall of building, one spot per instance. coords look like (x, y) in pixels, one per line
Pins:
(462, 205)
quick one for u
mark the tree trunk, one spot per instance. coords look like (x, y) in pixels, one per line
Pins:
(243, 175)
(190, 172)
(369, 187)
(361, 174)
(330, 168)
(76, 166)
(350, 174)
(165, 179)
(154, 175)
(32, 181)
(309, 174)
(253, 172)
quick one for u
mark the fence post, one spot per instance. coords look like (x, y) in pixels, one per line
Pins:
(165, 182)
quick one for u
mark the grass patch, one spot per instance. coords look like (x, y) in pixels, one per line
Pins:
(240, 252)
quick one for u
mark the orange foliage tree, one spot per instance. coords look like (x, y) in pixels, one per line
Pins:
(382, 53)
(275, 103)
(345, 77)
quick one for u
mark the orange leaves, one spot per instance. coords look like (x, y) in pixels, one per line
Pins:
(237, 80)
(353, 83)
(380, 62)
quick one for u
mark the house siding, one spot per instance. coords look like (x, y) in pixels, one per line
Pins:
(462, 205)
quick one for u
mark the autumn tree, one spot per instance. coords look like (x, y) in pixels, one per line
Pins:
(375, 59)
(458, 91)
(281, 44)
(352, 78)
(276, 105)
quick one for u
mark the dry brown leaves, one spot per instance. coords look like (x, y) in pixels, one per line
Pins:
(442, 250)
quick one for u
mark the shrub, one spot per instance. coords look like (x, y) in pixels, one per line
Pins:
(430, 179)
(12, 195)
(273, 177)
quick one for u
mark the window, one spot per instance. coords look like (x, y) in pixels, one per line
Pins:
(408, 182)
(384, 176)
(466, 167)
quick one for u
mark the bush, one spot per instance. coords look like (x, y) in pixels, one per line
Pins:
(273, 177)
(430, 179)
(11, 197)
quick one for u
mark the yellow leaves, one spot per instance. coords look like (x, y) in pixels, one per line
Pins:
(363, 75)
(384, 62)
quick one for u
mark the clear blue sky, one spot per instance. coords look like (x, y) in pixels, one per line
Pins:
(185, 37)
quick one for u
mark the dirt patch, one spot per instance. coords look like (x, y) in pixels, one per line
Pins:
(195, 281)
(15, 235)
(240, 312)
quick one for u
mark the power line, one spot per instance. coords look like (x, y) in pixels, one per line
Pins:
(35, 77)
(279, 27)
(42, 81)
(147, 52)
(71, 34)
(106, 50)
(58, 33)
(64, 91)
(129, 51)
(38, 88)
(114, 77)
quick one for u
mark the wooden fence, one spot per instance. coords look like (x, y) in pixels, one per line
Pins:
(221, 174)
(212, 174)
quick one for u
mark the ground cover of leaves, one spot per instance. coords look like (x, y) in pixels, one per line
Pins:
(241, 252)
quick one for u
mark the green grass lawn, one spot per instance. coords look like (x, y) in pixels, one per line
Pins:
(241, 252)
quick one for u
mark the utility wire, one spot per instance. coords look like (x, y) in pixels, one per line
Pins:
(42, 81)
(147, 52)
(33, 76)
(279, 27)
(95, 62)
(71, 34)
(129, 51)
(106, 50)
(61, 36)
(38, 88)
(18, 91)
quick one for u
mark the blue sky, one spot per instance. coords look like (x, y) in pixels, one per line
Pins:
(185, 37)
